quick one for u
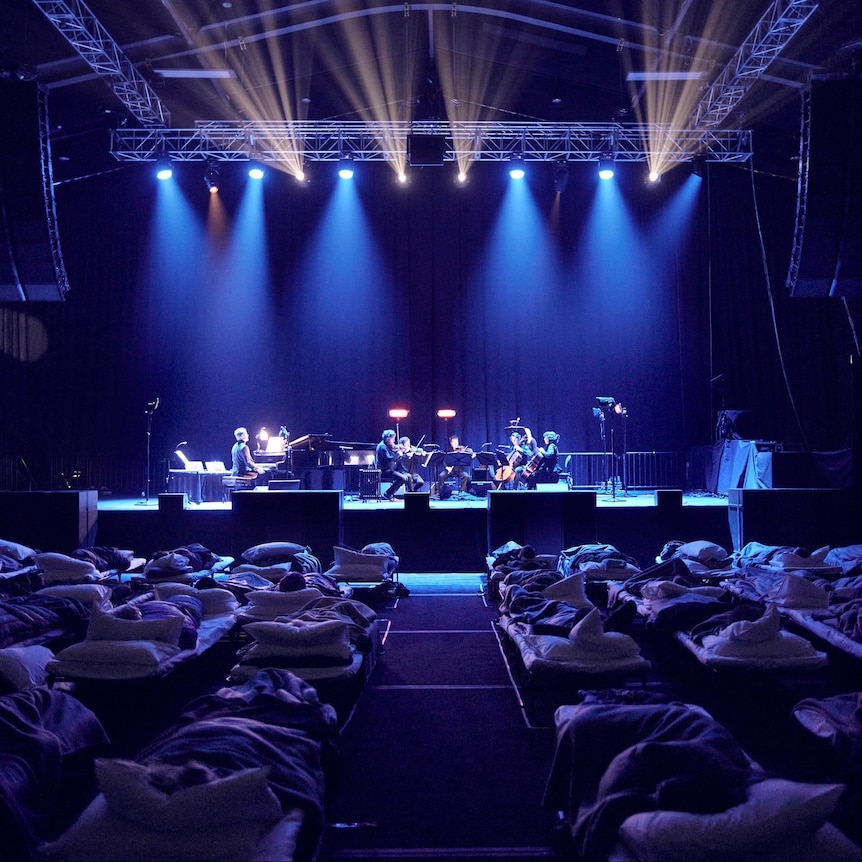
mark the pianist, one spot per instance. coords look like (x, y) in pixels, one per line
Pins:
(240, 456)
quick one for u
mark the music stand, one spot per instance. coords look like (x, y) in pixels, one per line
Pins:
(487, 462)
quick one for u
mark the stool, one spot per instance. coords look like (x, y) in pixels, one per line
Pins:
(237, 483)
(369, 485)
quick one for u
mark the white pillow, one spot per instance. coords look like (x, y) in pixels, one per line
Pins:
(57, 567)
(755, 631)
(355, 566)
(24, 667)
(89, 595)
(216, 601)
(569, 590)
(701, 550)
(106, 627)
(776, 811)
(129, 789)
(283, 603)
(324, 640)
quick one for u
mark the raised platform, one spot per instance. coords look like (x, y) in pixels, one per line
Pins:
(429, 535)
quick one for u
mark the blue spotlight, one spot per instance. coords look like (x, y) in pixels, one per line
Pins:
(517, 170)
(606, 168)
(345, 169)
(255, 172)
(164, 170)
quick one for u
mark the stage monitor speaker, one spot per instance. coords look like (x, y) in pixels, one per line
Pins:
(424, 151)
(31, 267)
(830, 262)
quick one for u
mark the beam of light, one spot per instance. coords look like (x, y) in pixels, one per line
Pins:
(477, 69)
(254, 81)
(513, 285)
(176, 248)
(341, 287)
(375, 67)
(665, 94)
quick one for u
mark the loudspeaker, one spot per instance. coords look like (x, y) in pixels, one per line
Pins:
(830, 263)
(31, 268)
(283, 485)
(425, 151)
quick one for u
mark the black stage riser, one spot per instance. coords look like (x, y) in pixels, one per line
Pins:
(432, 539)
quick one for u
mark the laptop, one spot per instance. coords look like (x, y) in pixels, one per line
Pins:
(216, 467)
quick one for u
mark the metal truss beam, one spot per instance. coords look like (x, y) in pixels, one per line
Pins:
(778, 25)
(88, 37)
(312, 141)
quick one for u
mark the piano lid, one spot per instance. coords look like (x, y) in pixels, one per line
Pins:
(316, 442)
(309, 441)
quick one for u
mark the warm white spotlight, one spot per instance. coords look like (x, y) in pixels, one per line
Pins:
(517, 170)
(606, 168)
(462, 177)
(255, 172)
(654, 177)
(211, 178)
(402, 178)
(345, 169)
(164, 170)
(299, 176)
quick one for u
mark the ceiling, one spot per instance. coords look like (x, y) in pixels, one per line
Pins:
(506, 60)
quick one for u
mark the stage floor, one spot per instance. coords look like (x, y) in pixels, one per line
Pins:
(352, 502)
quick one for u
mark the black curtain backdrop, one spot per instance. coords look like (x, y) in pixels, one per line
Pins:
(322, 306)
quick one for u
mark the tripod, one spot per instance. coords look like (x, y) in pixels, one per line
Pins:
(152, 406)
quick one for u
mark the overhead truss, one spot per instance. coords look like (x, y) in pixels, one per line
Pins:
(89, 38)
(776, 27)
(313, 141)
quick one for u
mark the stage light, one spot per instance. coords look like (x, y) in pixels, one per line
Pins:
(299, 176)
(211, 177)
(255, 172)
(654, 177)
(164, 168)
(561, 178)
(402, 178)
(516, 169)
(446, 413)
(697, 165)
(345, 168)
(461, 178)
(398, 413)
(606, 168)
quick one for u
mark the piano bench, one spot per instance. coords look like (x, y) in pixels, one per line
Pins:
(237, 483)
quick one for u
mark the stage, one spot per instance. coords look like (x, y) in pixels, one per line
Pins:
(430, 535)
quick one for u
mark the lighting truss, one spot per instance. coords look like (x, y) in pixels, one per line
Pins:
(89, 38)
(313, 141)
(45, 163)
(776, 27)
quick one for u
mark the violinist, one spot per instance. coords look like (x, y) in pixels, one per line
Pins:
(409, 454)
(456, 470)
(388, 463)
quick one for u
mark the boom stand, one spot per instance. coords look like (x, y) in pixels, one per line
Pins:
(152, 406)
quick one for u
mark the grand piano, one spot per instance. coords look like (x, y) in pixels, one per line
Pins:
(321, 462)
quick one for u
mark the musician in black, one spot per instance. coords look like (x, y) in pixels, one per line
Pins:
(458, 471)
(409, 455)
(548, 468)
(388, 458)
(524, 447)
(240, 456)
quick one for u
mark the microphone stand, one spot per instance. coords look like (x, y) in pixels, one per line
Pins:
(152, 406)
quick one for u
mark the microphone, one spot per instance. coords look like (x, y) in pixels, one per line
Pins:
(153, 404)
(184, 443)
